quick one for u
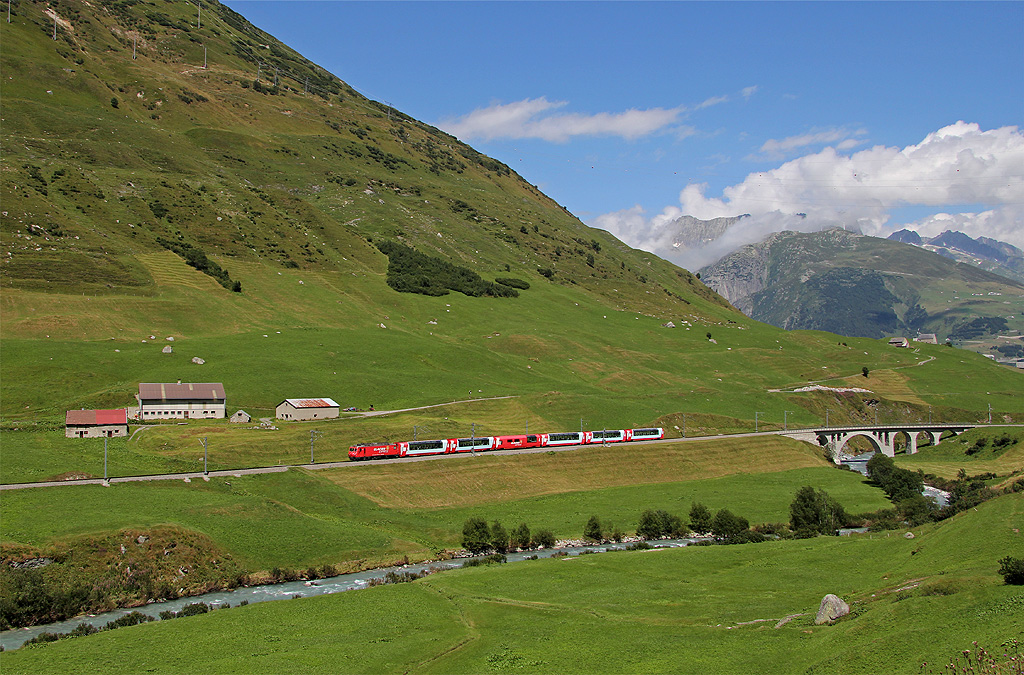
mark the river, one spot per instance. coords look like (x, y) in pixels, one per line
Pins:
(12, 639)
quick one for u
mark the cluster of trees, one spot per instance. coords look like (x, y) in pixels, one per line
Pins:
(410, 271)
(911, 507)
(195, 257)
(815, 512)
(897, 483)
(479, 537)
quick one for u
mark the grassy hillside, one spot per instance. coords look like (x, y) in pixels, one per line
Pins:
(916, 603)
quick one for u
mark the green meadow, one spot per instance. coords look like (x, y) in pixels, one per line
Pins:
(915, 605)
(367, 515)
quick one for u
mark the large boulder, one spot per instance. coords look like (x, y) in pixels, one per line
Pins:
(832, 607)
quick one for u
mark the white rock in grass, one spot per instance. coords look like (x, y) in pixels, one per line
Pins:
(832, 607)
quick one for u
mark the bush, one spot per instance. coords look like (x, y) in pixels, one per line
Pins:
(194, 608)
(410, 271)
(513, 282)
(1012, 570)
(130, 619)
(592, 530)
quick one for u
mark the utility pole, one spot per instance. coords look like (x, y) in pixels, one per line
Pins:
(684, 425)
(259, 66)
(199, 19)
(472, 439)
(755, 420)
(414, 431)
(204, 57)
(527, 427)
(929, 414)
(275, 76)
(313, 435)
(55, 26)
(135, 39)
(990, 413)
(604, 436)
(785, 419)
(206, 471)
(827, 411)
(105, 459)
(8, 11)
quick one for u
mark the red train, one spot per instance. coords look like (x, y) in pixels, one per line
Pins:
(450, 446)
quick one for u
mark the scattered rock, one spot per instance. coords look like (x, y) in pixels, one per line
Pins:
(168, 350)
(832, 607)
(198, 361)
(908, 535)
(669, 325)
(31, 563)
(170, 339)
(142, 539)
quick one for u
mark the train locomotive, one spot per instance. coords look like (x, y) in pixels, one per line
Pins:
(450, 446)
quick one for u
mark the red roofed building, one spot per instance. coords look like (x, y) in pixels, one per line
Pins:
(96, 423)
(192, 400)
(307, 409)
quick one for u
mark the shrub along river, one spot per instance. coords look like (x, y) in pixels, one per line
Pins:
(12, 639)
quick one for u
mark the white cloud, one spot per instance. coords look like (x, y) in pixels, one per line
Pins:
(714, 100)
(957, 165)
(846, 140)
(534, 118)
(747, 92)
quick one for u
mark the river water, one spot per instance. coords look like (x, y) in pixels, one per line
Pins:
(12, 639)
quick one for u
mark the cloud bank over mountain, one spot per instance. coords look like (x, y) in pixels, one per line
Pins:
(975, 175)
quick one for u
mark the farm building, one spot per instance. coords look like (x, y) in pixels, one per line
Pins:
(899, 342)
(191, 400)
(929, 338)
(241, 417)
(96, 423)
(307, 409)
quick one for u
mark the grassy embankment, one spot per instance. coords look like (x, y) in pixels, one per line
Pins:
(914, 601)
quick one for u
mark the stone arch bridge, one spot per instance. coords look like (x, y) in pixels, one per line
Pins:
(882, 437)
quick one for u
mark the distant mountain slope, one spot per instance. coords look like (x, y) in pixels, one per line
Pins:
(856, 285)
(989, 254)
(137, 131)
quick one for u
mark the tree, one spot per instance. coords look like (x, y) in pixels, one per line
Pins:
(476, 536)
(592, 531)
(815, 511)
(520, 537)
(864, 371)
(726, 524)
(1012, 570)
(648, 527)
(544, 539)
(700, 518)
(499, 537)
(917, 510)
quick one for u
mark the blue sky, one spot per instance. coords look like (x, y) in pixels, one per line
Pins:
(633, 113)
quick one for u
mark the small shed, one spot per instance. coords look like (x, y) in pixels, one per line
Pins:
(96, 423)
(307, 409)
(241, 417)
(899, 342)
(929, 338)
